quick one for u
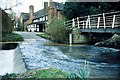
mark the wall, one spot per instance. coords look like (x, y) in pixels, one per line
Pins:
(0, 26)
(11, 61)
(80, 37)
(31, 12)
(7, 23)
(51, 14)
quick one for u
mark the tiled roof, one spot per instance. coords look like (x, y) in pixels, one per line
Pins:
(39, 13)
(25, 15)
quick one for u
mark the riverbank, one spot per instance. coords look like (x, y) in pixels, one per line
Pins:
(10, 37)
(113, 42)
(38, 73)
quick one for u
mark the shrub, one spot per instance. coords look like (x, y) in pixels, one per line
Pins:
(10, 37)
(8, 76)
(83, 74)
(44, 73)
(19, 26)
(58, 30)
(50, 73)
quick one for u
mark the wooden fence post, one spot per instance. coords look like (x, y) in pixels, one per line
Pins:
(104, 20)
(78, 22)
(73, 22)
(113, 23)
(89, 21)
(98, 24)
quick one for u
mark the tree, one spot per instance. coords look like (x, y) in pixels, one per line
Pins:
(77, 9)
(58, 31)
(19, 25)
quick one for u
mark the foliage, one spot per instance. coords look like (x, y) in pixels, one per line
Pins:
(43, 73)
(58, 31)
(82, 74)
(8, 76)
(7, 23)
(44, 35)
(50, 73)
(76, 9)
(10, 37)
(19, 25)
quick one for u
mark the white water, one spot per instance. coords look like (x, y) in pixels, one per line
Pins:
(6, 61)
(11, 61)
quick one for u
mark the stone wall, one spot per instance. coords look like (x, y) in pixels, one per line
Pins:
(7, 23)
(80, 37)
(0, 26)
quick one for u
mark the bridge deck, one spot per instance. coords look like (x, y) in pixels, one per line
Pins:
(101, 30)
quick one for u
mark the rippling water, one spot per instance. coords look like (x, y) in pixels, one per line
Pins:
(41, 54)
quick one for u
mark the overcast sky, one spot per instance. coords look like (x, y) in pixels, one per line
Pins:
(24, 7)
(38, 4)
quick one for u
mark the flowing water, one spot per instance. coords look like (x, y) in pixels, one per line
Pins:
(11, 61)
(43, 54)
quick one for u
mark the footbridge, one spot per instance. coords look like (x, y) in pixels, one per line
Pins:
(99, 23)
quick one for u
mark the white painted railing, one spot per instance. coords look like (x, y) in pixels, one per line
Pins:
(105, 20)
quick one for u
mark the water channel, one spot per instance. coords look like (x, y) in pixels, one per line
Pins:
(42, 53)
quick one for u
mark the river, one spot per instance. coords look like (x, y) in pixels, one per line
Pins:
(41, 53)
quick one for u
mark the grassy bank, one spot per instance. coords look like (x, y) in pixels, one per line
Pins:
(38, 73)
(49, 73)
(11, 37)
(46, 36)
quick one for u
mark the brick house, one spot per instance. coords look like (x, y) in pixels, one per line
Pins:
(35, 21)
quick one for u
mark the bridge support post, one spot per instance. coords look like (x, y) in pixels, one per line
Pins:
(70, 38)
(78, 37)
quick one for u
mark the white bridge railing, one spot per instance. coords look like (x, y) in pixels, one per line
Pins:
(105, 20)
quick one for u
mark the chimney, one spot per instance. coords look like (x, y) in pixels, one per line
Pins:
(51, 4)
(45, 8)
(31, 12)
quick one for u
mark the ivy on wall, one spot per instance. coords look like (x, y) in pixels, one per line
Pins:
(7, 23)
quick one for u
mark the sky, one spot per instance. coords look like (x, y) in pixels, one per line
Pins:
(24, 7)
(38, 4)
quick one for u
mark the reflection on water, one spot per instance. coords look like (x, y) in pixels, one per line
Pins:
(38, 54)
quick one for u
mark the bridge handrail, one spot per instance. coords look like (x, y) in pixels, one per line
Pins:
(97, 19)
(100, 14)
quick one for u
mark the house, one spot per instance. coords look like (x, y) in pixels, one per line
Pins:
(36, 21)
(24, 17)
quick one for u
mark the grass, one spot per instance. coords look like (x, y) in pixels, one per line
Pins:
(44, 35)
(49, 73)
(83, 73)
(11, 37)
(39, 73)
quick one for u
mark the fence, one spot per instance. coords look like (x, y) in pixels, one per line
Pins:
(104, 20)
